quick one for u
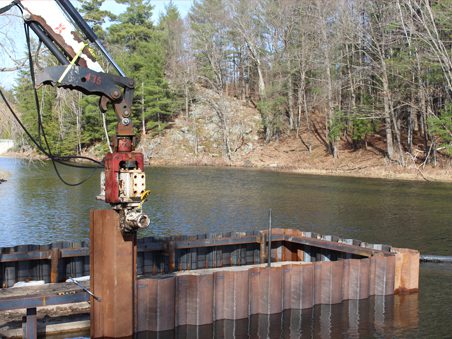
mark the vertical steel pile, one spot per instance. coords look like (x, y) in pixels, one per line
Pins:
(113, 277)
(205, 296)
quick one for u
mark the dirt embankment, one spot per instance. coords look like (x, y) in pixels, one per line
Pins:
(226, 132)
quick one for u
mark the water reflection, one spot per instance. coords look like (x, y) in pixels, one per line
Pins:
(377, 316)
(37, 208)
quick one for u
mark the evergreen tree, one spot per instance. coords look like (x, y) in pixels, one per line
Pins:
(95, 16)
(441, 128)
(140, 50)
(92, 124)
(59, 128)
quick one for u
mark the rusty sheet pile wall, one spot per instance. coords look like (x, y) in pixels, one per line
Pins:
(57, 261)
(197, 280)
(209, 295)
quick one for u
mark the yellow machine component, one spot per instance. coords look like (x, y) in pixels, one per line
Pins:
(72, 63)
(144, 197)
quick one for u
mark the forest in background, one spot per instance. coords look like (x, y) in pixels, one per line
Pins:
(348, 71)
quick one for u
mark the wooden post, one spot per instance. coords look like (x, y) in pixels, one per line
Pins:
(113, 276)
(30, 328)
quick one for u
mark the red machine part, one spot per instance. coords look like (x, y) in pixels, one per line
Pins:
(124, 144)
(113, 162)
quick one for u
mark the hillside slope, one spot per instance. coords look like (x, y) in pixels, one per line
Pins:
(224, 131)
(218, 131)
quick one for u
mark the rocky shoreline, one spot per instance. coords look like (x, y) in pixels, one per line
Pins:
(386, 173)
(3, 176)
(383, 170)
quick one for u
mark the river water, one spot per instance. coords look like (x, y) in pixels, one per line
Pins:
(36, 208)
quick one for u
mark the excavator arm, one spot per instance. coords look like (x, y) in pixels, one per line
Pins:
(58, 25)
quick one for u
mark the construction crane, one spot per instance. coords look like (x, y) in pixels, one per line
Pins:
(113, 232)
(58, 25)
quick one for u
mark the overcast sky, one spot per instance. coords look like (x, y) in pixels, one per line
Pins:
(11, 25)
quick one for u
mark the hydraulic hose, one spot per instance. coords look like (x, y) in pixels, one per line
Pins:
(436, 258)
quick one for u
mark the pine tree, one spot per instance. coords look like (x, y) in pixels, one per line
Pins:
(95, 16)
(139, 48)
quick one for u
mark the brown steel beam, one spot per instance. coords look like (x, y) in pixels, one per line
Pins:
(30, 328)
(335, 246)
(23, 256)
(113, 276)
(54, 260)
(162, 245)
(185, 244)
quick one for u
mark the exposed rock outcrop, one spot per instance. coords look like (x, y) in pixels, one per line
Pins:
(218, 130)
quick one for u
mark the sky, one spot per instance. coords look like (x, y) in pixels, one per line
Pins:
(14, 41)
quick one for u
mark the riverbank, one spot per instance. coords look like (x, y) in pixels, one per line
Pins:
(200, 140)
(3, 176)
(388, 172)
(28, 155)
(288, 156)
(362, 164)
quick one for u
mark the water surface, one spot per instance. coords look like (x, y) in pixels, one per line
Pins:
(37, 208)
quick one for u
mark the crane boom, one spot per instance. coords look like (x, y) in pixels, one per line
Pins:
(57, 25)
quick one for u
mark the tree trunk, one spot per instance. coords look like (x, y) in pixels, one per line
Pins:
(242, 82)
(411, 119)
(290, 93)
(332, 148)
(186, 100)
(396, 132)
(195, 132)
(387, 112)
(143, 122)
(78, 111)
(261, 82)
(423, 104)
(352, 90)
